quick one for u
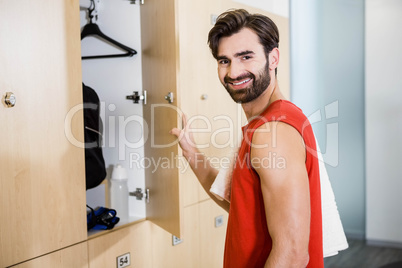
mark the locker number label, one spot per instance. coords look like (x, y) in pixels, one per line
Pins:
(123, 260)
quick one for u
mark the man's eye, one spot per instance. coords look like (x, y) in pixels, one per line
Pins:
(223, 62)
(246, 57)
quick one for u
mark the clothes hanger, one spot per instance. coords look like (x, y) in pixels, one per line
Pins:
(92, 29)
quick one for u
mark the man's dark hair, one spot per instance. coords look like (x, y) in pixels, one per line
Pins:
(232, 21)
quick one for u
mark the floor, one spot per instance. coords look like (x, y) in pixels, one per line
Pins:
(360, 255)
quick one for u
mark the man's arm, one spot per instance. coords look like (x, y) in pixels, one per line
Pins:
(202, 168)
(278, 155)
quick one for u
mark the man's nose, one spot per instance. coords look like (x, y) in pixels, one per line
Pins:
(235, 70)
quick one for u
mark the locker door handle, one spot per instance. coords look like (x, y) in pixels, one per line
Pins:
(10, 99)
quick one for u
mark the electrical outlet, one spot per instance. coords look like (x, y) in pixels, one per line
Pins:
(176, 240)
(123, 260)
(219, 221)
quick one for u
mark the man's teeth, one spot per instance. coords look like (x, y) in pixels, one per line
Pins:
(245, 81)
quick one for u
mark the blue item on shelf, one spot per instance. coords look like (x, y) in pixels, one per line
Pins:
(101, 218)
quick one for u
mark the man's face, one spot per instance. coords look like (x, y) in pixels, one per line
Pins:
(243, 68)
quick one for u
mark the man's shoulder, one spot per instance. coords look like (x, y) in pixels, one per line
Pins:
(283, 109)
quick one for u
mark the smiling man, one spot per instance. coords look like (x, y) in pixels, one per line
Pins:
(274, 210)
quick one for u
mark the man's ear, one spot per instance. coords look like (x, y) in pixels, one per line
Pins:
(273, 58)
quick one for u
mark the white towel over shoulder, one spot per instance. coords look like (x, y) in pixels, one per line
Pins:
(334, 239)
(222, 185)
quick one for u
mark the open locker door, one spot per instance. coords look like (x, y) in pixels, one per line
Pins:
(160, 72)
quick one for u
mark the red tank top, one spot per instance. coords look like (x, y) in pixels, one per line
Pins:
(248, 243)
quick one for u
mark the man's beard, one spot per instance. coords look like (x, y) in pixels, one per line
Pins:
(260, 84)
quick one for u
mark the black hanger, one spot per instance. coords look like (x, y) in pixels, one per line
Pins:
(93, 29)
